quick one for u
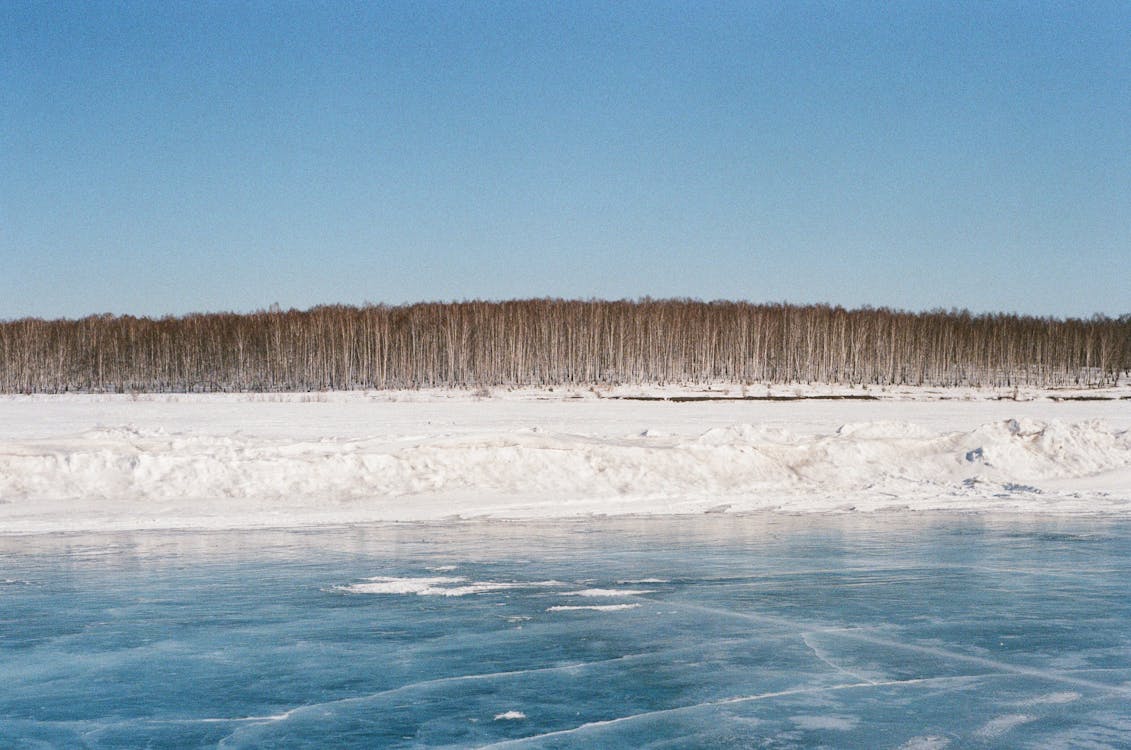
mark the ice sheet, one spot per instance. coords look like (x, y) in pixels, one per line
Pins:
(886, 631)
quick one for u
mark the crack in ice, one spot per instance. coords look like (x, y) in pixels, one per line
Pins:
(862, 637)
(820, 656)
(731, 700)
(423, 684)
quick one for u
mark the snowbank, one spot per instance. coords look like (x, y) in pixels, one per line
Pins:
(222, 461)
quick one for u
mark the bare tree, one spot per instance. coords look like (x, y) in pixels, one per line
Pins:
(553, 341)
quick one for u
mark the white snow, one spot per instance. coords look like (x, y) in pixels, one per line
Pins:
(644, 580)
(1053, 698)
(1001, 724)
(436, 586)
(591, 607)
(926, 742)
(426, 586)
(510, 716)
(601, 593)
(103, 462)
(836, 723)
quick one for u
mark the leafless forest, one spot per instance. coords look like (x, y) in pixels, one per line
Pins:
(556, 342)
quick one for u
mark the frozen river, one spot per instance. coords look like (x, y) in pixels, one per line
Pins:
(768, 630)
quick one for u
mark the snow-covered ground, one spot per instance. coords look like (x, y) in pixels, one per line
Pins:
(99, 462)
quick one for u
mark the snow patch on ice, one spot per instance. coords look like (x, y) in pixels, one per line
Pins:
(837, 723)
(1053, 699)
(631, 581)
(609, 592)
(926, 742)
(1002, 724)
(591, 607)
(424, 586)
(435, 586)
(510, 716)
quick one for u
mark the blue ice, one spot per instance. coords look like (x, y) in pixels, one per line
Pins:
(927, 631)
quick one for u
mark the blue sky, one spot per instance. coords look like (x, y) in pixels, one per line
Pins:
(162, 158)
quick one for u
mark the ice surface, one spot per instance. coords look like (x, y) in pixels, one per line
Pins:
(761, 631)
(229, 461)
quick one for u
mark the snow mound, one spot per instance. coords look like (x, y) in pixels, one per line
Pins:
(184, 476)
(884, 430)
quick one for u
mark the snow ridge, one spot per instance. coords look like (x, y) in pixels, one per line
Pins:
(1013, 464)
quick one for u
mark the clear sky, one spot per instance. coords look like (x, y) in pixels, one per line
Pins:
(161, 157)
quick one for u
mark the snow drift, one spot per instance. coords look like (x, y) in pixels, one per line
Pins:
(184, 477)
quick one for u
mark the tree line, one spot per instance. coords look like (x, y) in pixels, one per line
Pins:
(549, 342)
